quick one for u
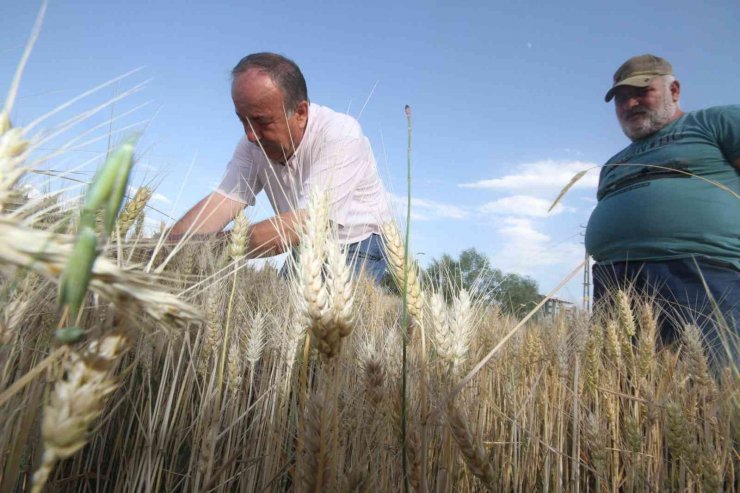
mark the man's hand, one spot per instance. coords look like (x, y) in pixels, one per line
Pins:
(275, 235)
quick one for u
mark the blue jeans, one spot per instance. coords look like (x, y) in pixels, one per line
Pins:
(679, 291)
(367, 255)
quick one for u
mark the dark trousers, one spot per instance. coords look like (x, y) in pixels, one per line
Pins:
(687, 291)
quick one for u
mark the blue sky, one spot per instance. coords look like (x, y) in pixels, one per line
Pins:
(507, 99)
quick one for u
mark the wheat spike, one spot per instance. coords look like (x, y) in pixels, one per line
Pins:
(567, 187)
(396, 255)
(696, 361)
(76, 402)
(257, 340)
(624, 310)
(313, 464)
(472, 450)
(678, 435)
(324, 280)
(413, 452)
(613, 343)
(441, 334)
(239, 237)
(374, 378)
(646, 340)
(342, 289)
(14, 151)
(234, 365)
(133, 209)
(461, 327)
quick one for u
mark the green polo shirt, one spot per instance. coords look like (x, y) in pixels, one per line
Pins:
(660, 212)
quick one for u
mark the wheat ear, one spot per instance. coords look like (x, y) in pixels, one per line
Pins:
(76, 402)
(313, 464)
(133, 209)
(239, 237)
(471, 448)
(395, 253)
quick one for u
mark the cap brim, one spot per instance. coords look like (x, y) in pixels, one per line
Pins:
(635, 81)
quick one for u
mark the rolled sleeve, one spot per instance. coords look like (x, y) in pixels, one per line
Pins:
(241, 180)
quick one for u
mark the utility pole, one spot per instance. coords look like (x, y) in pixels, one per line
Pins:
(586, 275)
(586, 284)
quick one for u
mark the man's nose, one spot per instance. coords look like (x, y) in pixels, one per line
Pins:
(629, 102)
(252, 135)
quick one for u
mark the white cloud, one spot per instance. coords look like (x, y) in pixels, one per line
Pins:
(158, 197)
(426, 210)
(547, 175)
(525, 250)
(521, 205)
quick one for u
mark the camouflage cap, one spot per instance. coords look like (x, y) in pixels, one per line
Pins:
(638, 71)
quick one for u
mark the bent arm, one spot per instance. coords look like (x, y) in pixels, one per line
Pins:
(275, 235)
(210, 215)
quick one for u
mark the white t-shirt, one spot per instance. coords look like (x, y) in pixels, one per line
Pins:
(335, 156)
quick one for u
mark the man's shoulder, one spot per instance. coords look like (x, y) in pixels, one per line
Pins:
(714, 112)
(329, 124)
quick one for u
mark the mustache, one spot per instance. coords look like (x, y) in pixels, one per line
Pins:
(637, 111)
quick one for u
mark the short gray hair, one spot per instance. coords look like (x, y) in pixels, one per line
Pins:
(283, 71)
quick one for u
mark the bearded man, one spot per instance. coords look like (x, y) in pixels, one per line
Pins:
(667, 222)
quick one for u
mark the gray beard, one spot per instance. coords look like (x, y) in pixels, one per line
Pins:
(650, 121)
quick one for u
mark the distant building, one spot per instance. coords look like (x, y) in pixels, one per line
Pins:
(556, 306)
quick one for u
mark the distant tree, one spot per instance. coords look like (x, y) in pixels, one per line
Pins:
(515, 294)
(518, 294)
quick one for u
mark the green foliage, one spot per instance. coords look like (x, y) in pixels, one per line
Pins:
(515, 294)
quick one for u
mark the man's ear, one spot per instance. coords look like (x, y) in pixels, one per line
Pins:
(675, 90)
(301, 112)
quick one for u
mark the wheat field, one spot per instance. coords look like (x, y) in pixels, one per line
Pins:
(131, 364)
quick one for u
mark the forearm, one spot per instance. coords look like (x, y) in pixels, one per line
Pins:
(210, 215)
(275, 235)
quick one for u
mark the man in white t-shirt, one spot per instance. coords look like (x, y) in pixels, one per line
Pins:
(292, 147)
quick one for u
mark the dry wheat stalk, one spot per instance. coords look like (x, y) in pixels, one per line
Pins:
(76, 402)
